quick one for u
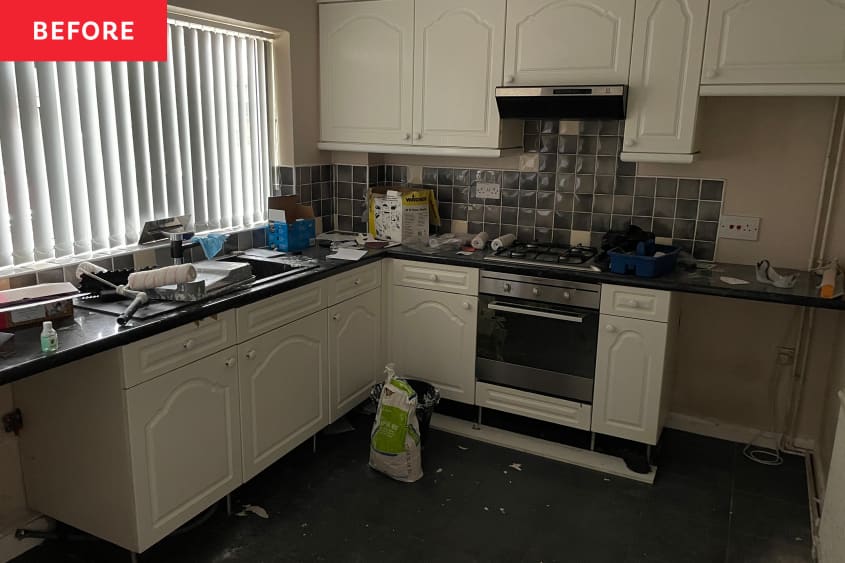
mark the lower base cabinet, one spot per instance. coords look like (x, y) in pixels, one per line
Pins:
(432, 337)
(356, 361)
(284, 379)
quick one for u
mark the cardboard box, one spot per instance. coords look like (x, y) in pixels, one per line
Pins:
(402, 214)
(291, 226)
(33, 305)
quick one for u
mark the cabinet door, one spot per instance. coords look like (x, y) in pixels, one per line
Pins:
(185, 440)
(284, 390)
(775, 42)
(629, 378)
(554, 42)
(355, 360)
(432, 337)
(366, 76)
(458, 62)
(665, 68)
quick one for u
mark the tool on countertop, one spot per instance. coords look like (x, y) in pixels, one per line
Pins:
(831, 286)
(139, 298)
(480, 241)
(503, 241)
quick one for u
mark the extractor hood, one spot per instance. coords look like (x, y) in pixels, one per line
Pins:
(564, 102)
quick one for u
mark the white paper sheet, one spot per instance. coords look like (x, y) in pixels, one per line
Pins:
(348, 254)
(733, 281)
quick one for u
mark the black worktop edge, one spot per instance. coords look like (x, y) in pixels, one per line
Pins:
(143, 329)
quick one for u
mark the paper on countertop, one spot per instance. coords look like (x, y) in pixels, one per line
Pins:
(733, 281)
(348, 254)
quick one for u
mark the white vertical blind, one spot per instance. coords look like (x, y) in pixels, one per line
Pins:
(90, 151)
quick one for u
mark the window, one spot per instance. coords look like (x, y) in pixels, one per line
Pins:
(90, 151)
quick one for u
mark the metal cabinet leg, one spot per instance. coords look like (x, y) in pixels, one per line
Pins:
(133, 557)
(477, 425)
(592, 441)
(229, 504)
(314, 444)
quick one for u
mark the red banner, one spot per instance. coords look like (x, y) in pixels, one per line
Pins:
(84, 30)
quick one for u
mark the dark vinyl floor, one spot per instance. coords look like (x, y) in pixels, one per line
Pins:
(709, 504)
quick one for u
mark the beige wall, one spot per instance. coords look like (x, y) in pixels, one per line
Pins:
(299, 18)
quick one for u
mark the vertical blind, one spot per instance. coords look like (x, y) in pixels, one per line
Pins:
(90, 151)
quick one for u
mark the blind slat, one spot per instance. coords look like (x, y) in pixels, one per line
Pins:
(111, 155)
(125, 144)
(170, 134)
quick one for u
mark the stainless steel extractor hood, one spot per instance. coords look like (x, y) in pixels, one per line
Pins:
(565, 102)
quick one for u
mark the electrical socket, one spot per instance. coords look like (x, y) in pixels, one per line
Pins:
(743, 228)
(487, 191)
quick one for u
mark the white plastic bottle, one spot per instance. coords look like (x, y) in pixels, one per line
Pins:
(49, 337)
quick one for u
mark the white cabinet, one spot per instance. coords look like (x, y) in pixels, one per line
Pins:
(366, 71)
(355, 362)
(185, 439)
(775, 42)
(414, 77)
(432, 337)
(458, 58)
(634, 363)
(284, 380)
(666, 62)
(555, 42)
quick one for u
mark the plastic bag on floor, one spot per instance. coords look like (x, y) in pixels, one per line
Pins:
(395, 439)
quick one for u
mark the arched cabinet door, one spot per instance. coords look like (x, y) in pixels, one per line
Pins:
(557, 42)
(185, 439)
(775, 42)
(629, 378)
(366, 71)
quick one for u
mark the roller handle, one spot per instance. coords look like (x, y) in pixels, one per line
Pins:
(139, 301)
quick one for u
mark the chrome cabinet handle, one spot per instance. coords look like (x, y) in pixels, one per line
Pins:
(336, 317)
(250, 355)
(509, 79)
(188, 344)
(610, 328)
(535, 292)
(357, 281)
(433, 277)
(507, 287)
(467, 305)
(230, 362)
(567, 295)
(418, 136)
(495, 306)
(629, 142)
(407, 136)
(711, 73)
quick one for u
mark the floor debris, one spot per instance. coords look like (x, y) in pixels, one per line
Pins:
(257, 510)
(502, 510)
(486, 509)
(463, 448)
(439, 470)
(517, 466)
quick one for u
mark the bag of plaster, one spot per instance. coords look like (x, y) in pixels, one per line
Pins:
(395, 439)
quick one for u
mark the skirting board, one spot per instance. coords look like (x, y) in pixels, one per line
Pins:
(542, 448)
(11, 547)
(730, 432)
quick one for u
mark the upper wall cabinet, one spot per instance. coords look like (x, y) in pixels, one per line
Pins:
(413, 77)
(755, 44)
(458, 59)
(666, 60)
(557, 42)
(366, 71)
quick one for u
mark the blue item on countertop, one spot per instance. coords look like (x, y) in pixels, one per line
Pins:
(644, 266)
(211, 244)
(646, 248)
(291, 237)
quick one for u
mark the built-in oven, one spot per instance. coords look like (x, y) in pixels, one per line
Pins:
(538, 334)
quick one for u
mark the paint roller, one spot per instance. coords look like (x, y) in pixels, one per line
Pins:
(170, 275)
(139, 298)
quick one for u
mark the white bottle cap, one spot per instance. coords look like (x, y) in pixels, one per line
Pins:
(48, 325)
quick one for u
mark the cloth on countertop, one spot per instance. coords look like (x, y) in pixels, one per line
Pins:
(211, 243)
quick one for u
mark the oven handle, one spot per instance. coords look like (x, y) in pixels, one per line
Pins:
(496, 306)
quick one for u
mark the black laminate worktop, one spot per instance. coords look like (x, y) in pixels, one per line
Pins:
(89, 333)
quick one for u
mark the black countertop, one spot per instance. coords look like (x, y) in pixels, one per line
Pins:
(89, 333)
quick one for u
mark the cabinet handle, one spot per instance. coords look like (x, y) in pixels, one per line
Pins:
(188, 344)
(507, 287)
(711, 73)
(250, 355)
(418, 136)
(535, 292)
(610, 328)
(358, 281)
(509, 79)
(629, 142)
(433, 277)
(336, 317)
(407, 136)
(467, 305)
(633, 304)
(230, 362)
(567, 295)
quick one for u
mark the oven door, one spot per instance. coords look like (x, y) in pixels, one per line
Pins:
(538, 347)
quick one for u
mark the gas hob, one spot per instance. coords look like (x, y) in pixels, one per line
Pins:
(561, 257)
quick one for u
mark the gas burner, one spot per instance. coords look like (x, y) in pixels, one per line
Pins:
(545, 255)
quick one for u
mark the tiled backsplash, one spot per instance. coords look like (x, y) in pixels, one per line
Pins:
(315, 187)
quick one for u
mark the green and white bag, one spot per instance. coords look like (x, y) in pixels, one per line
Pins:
(395, 439)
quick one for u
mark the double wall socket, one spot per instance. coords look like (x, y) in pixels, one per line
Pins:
(743, 228)
(487, 191)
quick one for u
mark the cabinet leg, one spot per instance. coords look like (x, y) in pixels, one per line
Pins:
(477, 425)
(229, 504)
(133, 557)
(592, 441)
(314, 444)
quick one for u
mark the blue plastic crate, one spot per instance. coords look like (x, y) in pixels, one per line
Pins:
(291, 237)
(644, 266)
